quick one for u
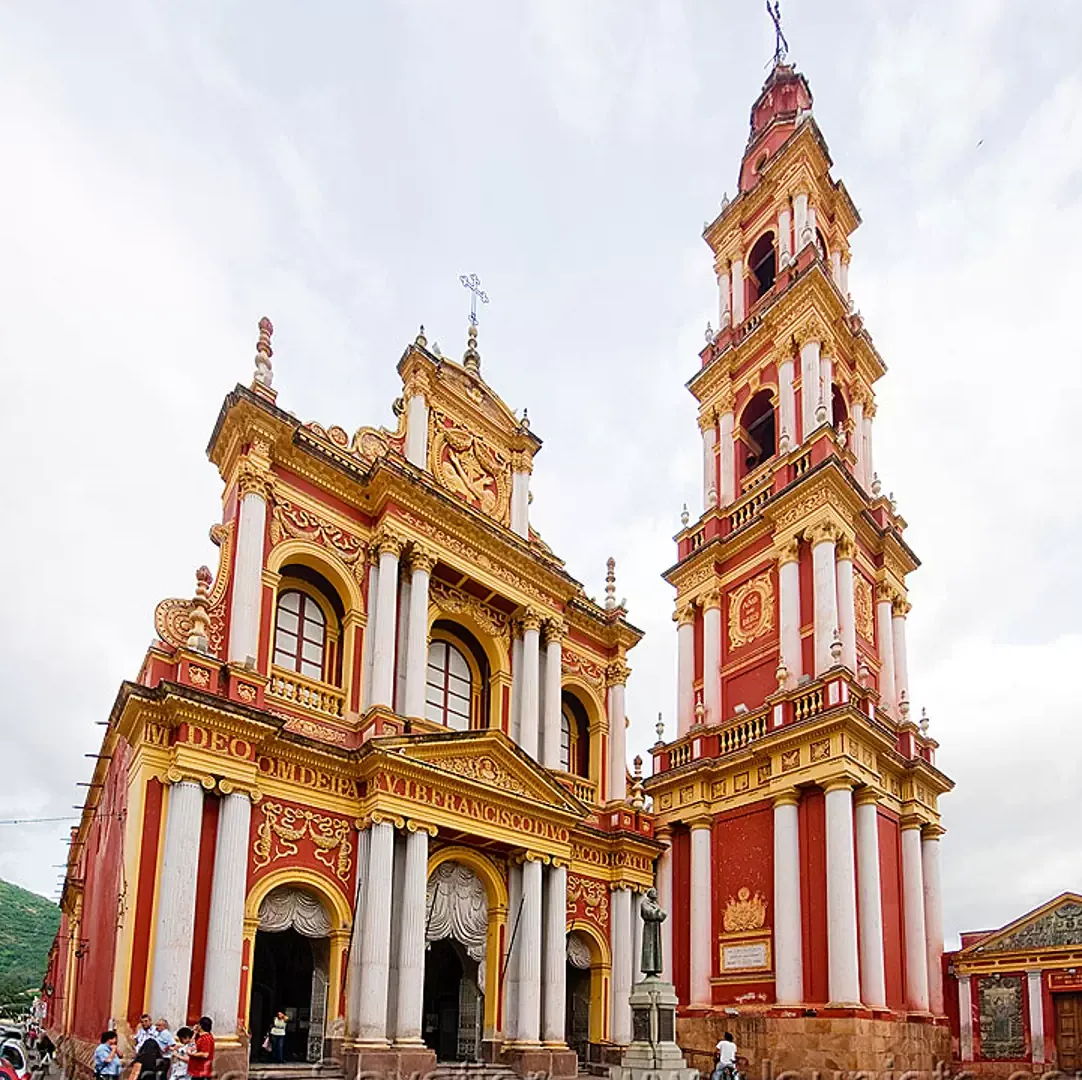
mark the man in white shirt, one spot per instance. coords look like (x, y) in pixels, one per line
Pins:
(726, 1067)
(144, 1031)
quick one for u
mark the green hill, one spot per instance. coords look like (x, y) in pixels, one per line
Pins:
(28, 924)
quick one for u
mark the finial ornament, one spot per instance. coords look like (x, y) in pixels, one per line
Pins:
(709, 333)
(821, 412)
(610, 584)
(525, 421)
(700, 712)
(877, 485)
(659, 727)
(924, 721)
(471, 359)
(473, 283)
(781, 46)
(836, 647)
(420, 340)
(197, 639)
(685, 517)
(264, 374)
(783, 442)
(903, 706)
(781, 674)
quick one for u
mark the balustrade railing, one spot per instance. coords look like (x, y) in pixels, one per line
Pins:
(745, 510)
(739, 734)
(679, 755)
(808, 704)
(304, 693)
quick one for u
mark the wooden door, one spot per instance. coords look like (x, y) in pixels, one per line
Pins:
(1068, 1031)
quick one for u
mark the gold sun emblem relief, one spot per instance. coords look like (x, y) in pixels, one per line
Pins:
(744, 912)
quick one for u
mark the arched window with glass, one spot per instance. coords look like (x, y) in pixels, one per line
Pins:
(449, 686)
(300, 634)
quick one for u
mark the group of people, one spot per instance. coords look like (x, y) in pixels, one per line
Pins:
(159, 1054)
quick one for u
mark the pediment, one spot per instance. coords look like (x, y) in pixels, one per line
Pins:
(489, 759)
(1055, 924)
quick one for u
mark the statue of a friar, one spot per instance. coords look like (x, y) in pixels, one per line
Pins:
(652, 917)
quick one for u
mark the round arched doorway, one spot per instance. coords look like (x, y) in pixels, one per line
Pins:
(290, 967)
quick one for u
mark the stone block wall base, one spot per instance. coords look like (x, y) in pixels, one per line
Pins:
(541, 1059)
(394, 1063)
(231, 1060)
(1001, 1070)
(773, 1044)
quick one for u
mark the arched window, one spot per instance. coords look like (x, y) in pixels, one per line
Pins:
(821, 245)
(764, 265)
(574, 736)
(758, 424)
(567, 723)
(838, 408)
(449, 687)
(300, 634)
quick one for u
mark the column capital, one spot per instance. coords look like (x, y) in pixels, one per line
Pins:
(865, 796)
(900, 606)
(233, 787)
(711, 599)
(554, 630)
(663, 834)
(885, 593)
(787, 798)
(416, 382)
(837, 783)
(932, 831)
(708, 419)
(421, 558)
(845, 547)
(388, 541)
(531, 620)
(253, 477)
(617, 673)
(187, 776)
(704, 821)
(823, 532)
(521, 462)
(531, 856)
(910, 821)
(412, 825)
(787, 550)
(684, 613)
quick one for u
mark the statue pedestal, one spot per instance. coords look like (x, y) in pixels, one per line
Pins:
(653, 1053)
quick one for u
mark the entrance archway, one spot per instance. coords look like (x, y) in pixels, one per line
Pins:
(290, 965)
(579, 986)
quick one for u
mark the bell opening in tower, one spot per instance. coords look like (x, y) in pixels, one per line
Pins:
(759, 431)
(764, 266)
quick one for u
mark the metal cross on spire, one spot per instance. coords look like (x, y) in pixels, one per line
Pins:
(473, 283)
(781, 46)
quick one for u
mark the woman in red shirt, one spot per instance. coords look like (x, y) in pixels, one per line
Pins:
(201, 1059)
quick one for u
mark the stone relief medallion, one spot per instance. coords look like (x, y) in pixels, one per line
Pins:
(1000, 1004)
(862, 602)
(468, 467)
(751, 611)
(744, 912)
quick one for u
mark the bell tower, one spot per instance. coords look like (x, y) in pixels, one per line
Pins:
(798, 794)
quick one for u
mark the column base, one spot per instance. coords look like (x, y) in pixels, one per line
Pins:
(231, 1056)
(525, 1058)
(390, 1062)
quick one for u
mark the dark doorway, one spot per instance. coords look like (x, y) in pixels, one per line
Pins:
(577, 1014)
(282, 979)
(453, 1004)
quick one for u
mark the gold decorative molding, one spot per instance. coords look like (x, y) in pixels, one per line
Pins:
(298, 522)
(751, 610)
(469, 467)
(452, 601)
(744, 912)
(422, 558)
(531, 620)
(485, 770)
(554, 630)
(284, 827)
(617, 673)
(863, 606)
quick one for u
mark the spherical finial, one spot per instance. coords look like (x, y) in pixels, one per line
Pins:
(781, 674)
(203, 579)
(420, 340)
(877, 485)
(685, 517)
(659, 727)
(924, 722)
(836, 647)
(638, 765)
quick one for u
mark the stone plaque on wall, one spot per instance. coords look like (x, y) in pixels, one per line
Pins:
(1000, 1004)
(751, 957)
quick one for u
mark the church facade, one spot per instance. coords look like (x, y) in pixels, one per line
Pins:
(373, 773)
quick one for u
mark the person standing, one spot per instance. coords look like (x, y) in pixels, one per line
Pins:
(278, 1036)
(106, 1057)
(201, 1059)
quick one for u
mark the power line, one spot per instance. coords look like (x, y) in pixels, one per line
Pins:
(37, 820)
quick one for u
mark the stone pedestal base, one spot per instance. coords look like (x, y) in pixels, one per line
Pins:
(550, 1060)
(390, 1063)
(231, 1058)
(653, 1055)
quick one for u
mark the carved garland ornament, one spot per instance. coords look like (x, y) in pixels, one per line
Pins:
(579, 665)
(592, 895)
(455, 602)
(865, 607)
(745, 912)
(284, 827)
(288, 519)
(173, 617)
(468, 467)
(751, 611)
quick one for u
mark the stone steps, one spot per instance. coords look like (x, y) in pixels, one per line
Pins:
(296, 1070)
(471, 1070)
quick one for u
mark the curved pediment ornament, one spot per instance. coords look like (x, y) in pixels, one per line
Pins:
(1060, 926)
(452, 601)
(469, 467)
(289, 519)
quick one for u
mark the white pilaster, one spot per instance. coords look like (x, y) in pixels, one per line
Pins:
(847, 617)
(726, 463)
(685, 668)
(376, 935)
(856, 414)
(916, 948)
(869, 463)
(622, 972)
(514, 929)
(873, 983)
(965, 1018)
(246, 605)
(899, 610)
(1036, 1017)
(800, 221)
(664, 899)
(616, 677)
(171, 970)
(383, 645)
(421, 563)
(789, 610)
(417, 430)
(809, 387)
(353, 973)
(530, 690)
(225, 926)
(369, 633)
(826, 387)
(933, 916)
(401, 648)
(845, 279)
(836, 269)
(555, 946)
(885, 633)
(825, 590)
(725, 310)
(411, 939)
(786, 403)
(712, 656)
(529, 957)
(809, 229)
(702, 933)
(738, 291)
(785, 238)
(520, 503)
(844, 971)
(516, 687)
(551, 726)
(708, 427)
(788, 943)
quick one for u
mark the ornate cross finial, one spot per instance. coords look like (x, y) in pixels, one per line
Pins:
(264, 375)
(781, 46)
(473, 283)
(610, 584)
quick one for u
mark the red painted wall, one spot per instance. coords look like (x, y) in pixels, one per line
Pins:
(750, 686)
(813, 894)
(890, 888)
(144, 900)
(208, 841)
(681, 913)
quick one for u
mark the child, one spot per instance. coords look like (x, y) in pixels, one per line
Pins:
(184, 1045)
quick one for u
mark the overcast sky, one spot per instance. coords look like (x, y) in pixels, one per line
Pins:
(171, 172)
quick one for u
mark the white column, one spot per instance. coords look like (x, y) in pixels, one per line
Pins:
(376, 935)
(370, 633)
(869, 465)
(809, 229)
(554, 631)
(401, 648)
(636, 937)
(836, 269)
(845, 279)
(520, 503)
(516, 687)
(616, 677)
(788, 934)
(725, 310)
(530, 691)
(421, 563)
(800, 221)
(933, 915)
(727, 462)
(809, 387)
(386, 618)
(844, 972)
(708, 426)
(786, 405)
(685, 668)
(899, 610)
(529, 956)
(417, 430)
(916, 948)
(514, 945)
(712, 656)
(885, 633)
(411, 940)
(555, 946)
(785, 244)
(847, 616)
(664, 898)
(621, 965)
(789, 610)
(353, 974)
(825, 592)
(702, 933)
(826, 387)
(1036, 1017)
(856, 414)
(738, 291)
(873, 982)
(172, 966)
(965, 1018)
(225, 926)
(244, 610)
